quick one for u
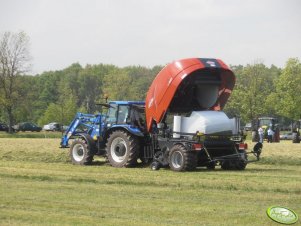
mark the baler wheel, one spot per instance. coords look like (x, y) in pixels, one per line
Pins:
(181, 159)
(225, 165)
(122, 149)
(211, 166)
(240, 165)
(80, 153)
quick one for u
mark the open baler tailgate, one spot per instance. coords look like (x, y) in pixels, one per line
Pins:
(189, 85)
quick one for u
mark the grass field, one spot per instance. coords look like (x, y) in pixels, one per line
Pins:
(39, 186)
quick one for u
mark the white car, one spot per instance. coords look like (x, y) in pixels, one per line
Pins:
(286, 136)
(53, 126)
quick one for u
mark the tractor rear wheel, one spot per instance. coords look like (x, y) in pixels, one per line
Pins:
(181, 159)
(80, 153)
(122, 149)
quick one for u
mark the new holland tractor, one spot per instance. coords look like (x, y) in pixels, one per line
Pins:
(180, 125)
(296, 126)
(265, 123)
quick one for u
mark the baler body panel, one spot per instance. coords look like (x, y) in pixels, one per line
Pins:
(169, 84)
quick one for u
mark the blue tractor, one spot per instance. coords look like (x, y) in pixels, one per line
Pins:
(116, 134)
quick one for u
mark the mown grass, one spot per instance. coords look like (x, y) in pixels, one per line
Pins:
(42, 134)
(39, 186)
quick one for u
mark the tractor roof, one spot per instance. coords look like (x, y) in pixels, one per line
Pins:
(127, 102)
(176, 87)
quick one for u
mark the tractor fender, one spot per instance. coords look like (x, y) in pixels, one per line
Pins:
(127, 128)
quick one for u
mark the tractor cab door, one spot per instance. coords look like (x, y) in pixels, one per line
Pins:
(117, 115)
(126, 114)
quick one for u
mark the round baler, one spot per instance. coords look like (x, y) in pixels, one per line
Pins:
(194, 91)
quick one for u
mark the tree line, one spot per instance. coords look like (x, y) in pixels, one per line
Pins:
(58, 95)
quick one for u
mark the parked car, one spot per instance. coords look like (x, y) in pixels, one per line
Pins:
(3, 127)
(53, 126)
(248, 127)
(286, 136)
(64, 128)
(27, 126)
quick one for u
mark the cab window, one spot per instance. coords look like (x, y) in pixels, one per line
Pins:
(112, 114)
(123, 113)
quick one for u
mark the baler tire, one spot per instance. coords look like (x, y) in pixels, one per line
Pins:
(181, 159)
(80, 153)
(211, 166)
(242, 163)
(122, 149)
(225, 165)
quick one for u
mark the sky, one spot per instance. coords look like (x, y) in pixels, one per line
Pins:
(154, 32)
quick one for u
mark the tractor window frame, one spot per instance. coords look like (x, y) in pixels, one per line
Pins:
(112, 112)
(125, 110)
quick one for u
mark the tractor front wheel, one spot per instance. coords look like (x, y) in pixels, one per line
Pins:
(122, 149)
(180, 159)
(80, 153)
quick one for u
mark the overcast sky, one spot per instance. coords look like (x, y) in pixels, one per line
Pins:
(152, 32)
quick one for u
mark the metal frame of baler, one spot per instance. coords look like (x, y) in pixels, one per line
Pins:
(161, 156)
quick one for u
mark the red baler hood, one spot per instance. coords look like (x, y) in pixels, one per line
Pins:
(173, 88)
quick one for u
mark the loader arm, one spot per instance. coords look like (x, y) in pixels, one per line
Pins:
(86, 120)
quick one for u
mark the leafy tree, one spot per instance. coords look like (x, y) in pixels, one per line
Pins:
(61, 112)
(287, 99)
(14, 59)
(117, 84)
(254, 84)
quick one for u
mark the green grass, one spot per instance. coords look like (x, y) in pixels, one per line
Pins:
(39, 186)
(42, 134)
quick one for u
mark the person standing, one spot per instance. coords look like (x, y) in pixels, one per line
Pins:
(270, 135)
(260, 133)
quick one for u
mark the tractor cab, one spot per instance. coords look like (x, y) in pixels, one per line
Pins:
(128, 114)
(296, 127)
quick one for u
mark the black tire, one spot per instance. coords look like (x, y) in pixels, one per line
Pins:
(80, 153)
(211, 165)
(226, 165)
(122, 149)
(234, 164)
(242, 163)
(296, 138)
(180, 159)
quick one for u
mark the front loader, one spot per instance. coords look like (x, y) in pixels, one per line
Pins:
(180, 125)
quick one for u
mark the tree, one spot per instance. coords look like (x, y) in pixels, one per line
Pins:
(60, 112)
(14, 61)
(117, 84)
(254, 84)
(287, 98)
